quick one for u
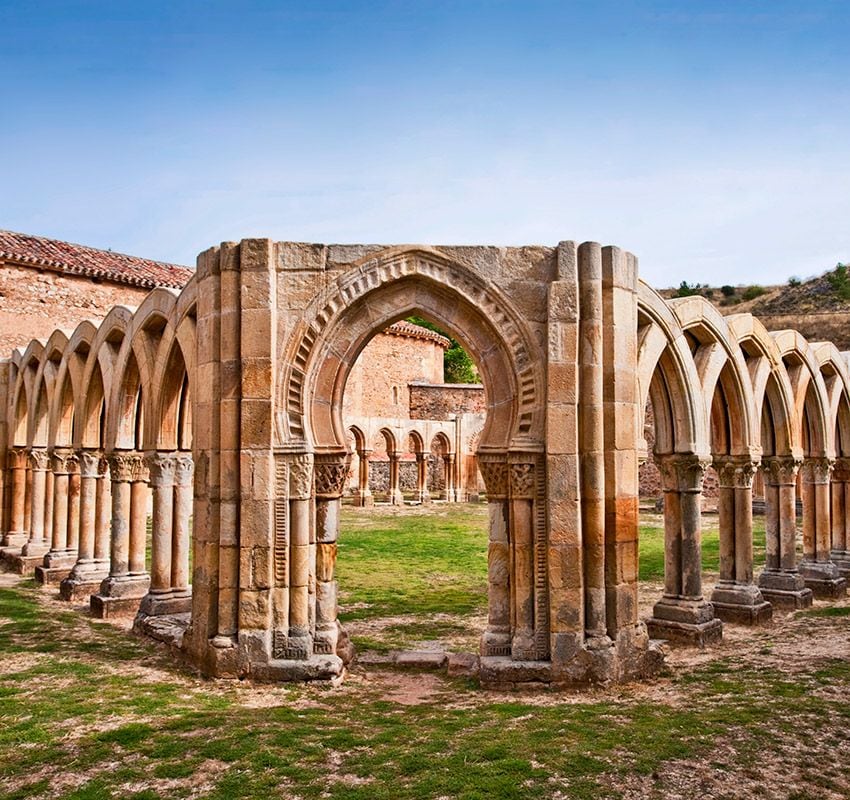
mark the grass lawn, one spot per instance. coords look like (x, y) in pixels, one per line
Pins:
(88, 711)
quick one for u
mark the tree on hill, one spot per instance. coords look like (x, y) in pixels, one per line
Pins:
(458, 366)
(839, 280)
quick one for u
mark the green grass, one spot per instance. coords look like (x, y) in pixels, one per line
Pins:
(87, 700)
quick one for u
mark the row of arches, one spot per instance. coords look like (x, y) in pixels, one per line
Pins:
(725, 392)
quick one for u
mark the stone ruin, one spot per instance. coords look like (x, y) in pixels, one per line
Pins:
(223, 400)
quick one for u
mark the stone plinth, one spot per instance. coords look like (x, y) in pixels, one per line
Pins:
(685, 622)
(741, 604)
(785, 589)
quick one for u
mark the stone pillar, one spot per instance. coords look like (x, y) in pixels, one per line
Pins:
(449, 472)
(161, 469)
(60, 559)
(819, 572)
(299, 644)
(840, 517)
(780, 581)
(521, 484)
(28, 497)
(87, 573)
(121, 591)
(38, 545)
(182, 540)
(331, 471)
(16, 461)
(396, 498)
(736, 598)
(682, 614)
(102, 516)
(422, 493)
(496, 640)
(364, 493)
(74, 509)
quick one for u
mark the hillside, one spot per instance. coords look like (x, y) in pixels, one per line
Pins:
(818, 307)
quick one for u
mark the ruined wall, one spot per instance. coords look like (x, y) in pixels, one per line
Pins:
(378, 383)
(33, 301)
(430, 401)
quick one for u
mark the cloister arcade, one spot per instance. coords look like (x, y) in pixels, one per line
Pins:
(219, 409)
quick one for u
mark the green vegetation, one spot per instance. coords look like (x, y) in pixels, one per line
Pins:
(88, 711)
(752, 292)
(458, 366)
(794, 282)
(839, 280)
(689, 290)
(727, 290)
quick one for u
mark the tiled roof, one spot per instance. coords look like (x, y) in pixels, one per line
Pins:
(405, 328)
(78, 259)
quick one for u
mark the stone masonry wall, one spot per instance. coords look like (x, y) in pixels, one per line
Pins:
(33, 301)
(445, 399)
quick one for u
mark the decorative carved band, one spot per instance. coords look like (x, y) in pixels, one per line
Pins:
(300, 476)
(735, 472)
(780, 470)
(281, 522)
(125, 466)
(331, 471)
(184, 470)
(682, 472)
(17, 458)
(161, 467)
(39, 459)
(522, 481)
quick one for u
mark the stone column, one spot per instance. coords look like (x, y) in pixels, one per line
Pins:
(299, 644)
(736, 598)
(102, 516)
(161, 469)
(139, 495)
(449, 472)
(331, 471)
(396, 498)
(819, 572)
(496, 640)
(364, 493)
(87, 573)
(682, 614)
(521, 476)
(121, 591)
(422, 493)
(37, 545)
(182, 539)
(28, 496)
(780, 581)
(840, 517)
(60, 559)
(16, 461)
(74, 509)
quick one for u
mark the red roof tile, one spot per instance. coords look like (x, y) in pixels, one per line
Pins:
(77, 259)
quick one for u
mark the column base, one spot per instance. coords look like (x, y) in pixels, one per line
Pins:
(740, 603)
(52, 576)
(166, 603)
(363, 500)
(35, 550)
(60, 559)
(495, 644)
(823, 578)
(77, 588)
(15, 539)
(688, 622)
(24, 565)
(841, 559)
(119, 596)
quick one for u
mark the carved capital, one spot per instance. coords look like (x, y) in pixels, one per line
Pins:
(125, 466)
(64, 462)
(301, 476)
(39, 459)
(102, 467)
(841, 470)
(89, 463)
(522, 481)
(184, 470)
(494, 471)
(161, 467)
(682, 472)
(817, 470)
(363, 455)
(17, 458)
(331, 472)
(780, 470)
(735, 472)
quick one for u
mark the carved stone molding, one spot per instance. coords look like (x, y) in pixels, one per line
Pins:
(17, 458)
(184, 470)
(494, 471)
(103, 467)
(522, 481)
(817, 470)
(162, 467)
(89, 463)
(39, 459)
(682, 472)
(125, 466)
(735, 472)
(780, 470)
(331, 471)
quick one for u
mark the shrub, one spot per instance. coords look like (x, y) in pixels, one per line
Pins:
(688, 290)
(794, 281)
(727, 290)
(839, 280)
(752, 292)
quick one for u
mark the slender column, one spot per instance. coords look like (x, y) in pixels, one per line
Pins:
(331, 471)
(683, 614)
(49, 479)
(840, 516)
(28, 496)
(39, 461)
(496, 640)
(818, 570)
(138, 516)
(396, 498)
(736, 598)
(448, 471)
(74, 506)
(521, 535)
(422, 493)
(181, 542)
(120, 468)
(299, 641)
(16, 461)
(364, 493)
(162, 467)
(102, 513)
(60, 556)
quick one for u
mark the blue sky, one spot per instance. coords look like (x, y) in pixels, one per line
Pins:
(711, 139)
